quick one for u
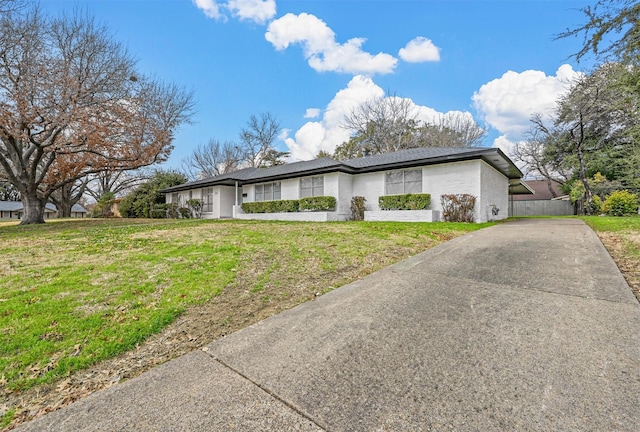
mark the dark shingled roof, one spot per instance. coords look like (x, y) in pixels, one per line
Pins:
(396, 160)
(411, 155)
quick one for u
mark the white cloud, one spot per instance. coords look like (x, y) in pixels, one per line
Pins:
(259, 11)
(504, 144)
(328, 133)
(211, 8)
(312, 113)
(420, 50)
(320, 48)
(507, 103)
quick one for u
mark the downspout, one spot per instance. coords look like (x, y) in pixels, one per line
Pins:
(236, 192)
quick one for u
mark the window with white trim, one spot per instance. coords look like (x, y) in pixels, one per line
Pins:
(403, 182)
(267, 192)
(311, 186)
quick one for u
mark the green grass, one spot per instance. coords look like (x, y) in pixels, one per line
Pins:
(613, 223)
(73, 293)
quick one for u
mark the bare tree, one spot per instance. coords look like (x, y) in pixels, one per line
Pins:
(383, 125)
(456, 129)
(212, 159)
(388, 124)
(73, 104)
(533, 155)
(116, 182)
(7, 6)
(67, 196)
(256, 141)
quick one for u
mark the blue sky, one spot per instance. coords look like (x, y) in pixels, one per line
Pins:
(311, 62)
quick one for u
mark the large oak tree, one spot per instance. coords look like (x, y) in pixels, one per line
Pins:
(72, 103)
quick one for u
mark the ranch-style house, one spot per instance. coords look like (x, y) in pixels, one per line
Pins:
(486, 173)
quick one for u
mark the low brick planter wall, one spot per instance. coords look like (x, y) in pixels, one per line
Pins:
(402, 215)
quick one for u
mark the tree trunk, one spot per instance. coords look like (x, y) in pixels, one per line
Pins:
(33, 210)
(65, 197)
(582, 171)
(63, 211)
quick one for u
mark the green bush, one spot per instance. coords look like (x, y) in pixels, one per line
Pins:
(597, 206)
(621, 203)
(357, 208)
(160, 211)
(318, 203)
(281, 206)
(405, 202)
(458, 208)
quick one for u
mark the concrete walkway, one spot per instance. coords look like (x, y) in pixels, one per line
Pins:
(526, 325)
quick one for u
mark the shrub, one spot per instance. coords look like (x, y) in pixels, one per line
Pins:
(318, 203)
(620, 203)
(185, 213)
(597, 206)
(173, 211)
(281, 206)
(405, 202)
(195, 205)
(103, 206)
(357, 208)
(458, 208)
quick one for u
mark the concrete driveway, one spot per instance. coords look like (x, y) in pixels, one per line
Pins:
(526, 325)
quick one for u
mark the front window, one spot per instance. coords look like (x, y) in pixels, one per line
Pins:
(267, 192)
(311, 186)
(207, 205)
(403, 182)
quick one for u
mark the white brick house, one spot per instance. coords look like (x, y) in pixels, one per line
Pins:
(486, 173)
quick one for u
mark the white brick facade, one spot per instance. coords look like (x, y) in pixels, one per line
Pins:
(484, 178)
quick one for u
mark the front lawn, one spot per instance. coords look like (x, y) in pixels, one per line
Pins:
(77, 292)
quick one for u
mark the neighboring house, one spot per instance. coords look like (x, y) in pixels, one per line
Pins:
(542, 190)
(486, 173)
(15, 210)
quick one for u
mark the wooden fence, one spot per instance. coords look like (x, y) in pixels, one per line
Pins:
(540, 208)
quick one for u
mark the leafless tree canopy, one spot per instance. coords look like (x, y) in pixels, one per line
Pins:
(7, 6)
(212, 159)
(256, 141)
(389, 124)
(72, 103)
(255, 149)
(116, 182)
(533, 155)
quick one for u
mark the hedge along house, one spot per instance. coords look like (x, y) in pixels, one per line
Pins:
(486, 173)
